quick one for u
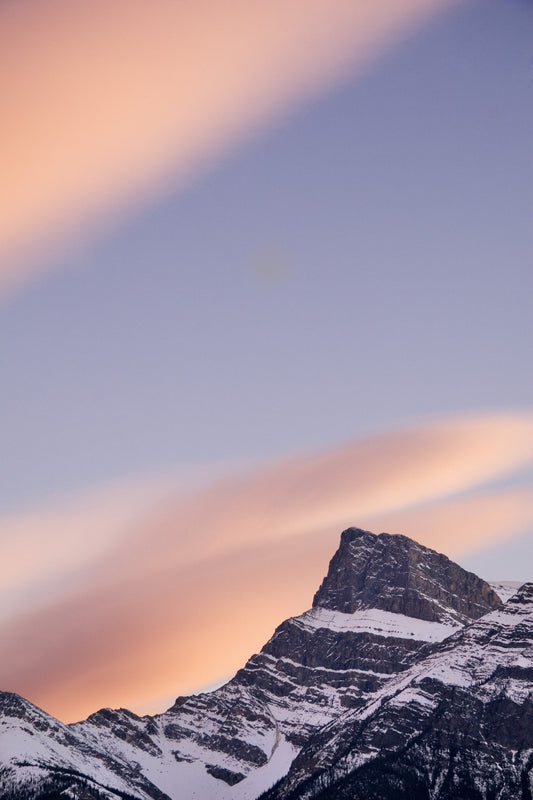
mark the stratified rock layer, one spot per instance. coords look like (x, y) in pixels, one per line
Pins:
(456, 726)
(396, 574)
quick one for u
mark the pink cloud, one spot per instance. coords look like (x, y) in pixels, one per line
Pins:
(106, 104)
(460, 526)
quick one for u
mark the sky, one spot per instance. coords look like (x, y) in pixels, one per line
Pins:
(265, 273)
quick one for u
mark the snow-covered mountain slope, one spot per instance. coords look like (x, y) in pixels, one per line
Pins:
(506, 589)
(458, 724)
(383, 605)
(36, 749)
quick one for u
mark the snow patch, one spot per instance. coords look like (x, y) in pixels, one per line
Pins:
(376, 622)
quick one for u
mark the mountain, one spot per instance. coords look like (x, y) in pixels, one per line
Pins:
(299, 710)
(458, 725)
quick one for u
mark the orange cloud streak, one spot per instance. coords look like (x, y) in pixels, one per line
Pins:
(464, 525)
(105, 104)
(149, 618)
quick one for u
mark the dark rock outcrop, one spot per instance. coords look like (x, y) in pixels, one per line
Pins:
(396, 574)
(459, 724)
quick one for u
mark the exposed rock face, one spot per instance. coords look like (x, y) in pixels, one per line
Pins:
(321, 663)
(394, 573)
(457, 725)
(384, 608)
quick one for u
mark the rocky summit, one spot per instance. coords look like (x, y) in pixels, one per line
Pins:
(458, 725)
(408, 678)
(396, 574)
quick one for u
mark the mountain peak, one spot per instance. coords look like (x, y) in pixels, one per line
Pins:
(393, 573)
(523, 596)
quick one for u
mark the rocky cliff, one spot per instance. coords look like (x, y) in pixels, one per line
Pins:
(457, 725)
